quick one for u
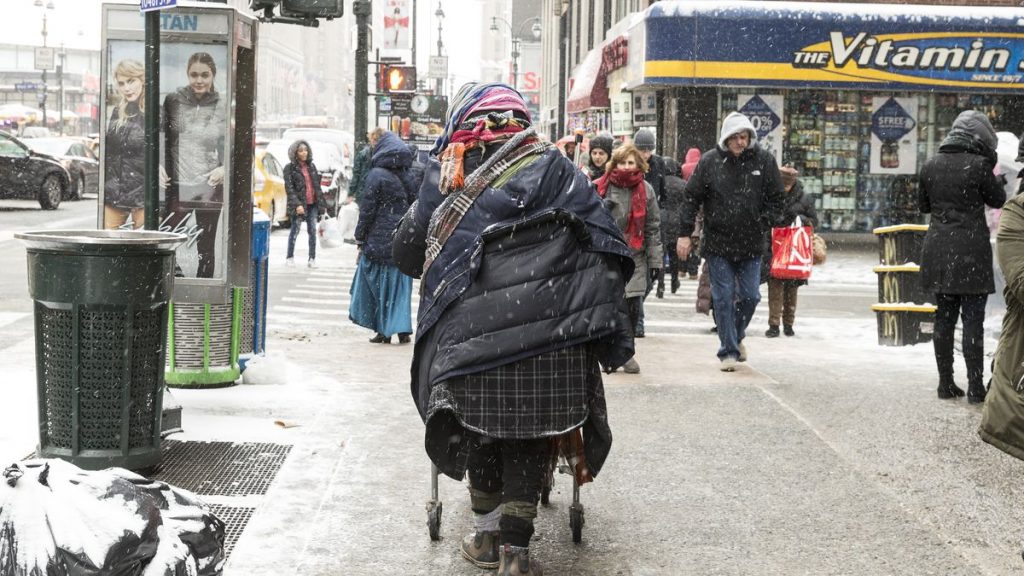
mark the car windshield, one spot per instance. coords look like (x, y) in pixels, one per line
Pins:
(51, 146)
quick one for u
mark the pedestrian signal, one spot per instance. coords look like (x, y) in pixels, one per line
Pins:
(399, 79)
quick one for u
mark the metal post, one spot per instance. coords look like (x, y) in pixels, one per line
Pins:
(440, 44)
(60, 90)
(415, 25)
(42, 104)
(515, 62)
(152, 120)
(362, 9)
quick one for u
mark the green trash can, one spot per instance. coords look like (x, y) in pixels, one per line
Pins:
(100, 326)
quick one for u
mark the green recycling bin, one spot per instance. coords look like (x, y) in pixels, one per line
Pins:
(101, 301)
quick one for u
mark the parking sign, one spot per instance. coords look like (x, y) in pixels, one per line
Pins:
(44, 58)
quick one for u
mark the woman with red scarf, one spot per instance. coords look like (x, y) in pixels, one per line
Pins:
(634, 206)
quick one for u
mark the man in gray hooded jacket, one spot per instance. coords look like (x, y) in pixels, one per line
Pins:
(737, 184)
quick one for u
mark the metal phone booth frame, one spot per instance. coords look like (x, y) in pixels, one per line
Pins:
(206, 315)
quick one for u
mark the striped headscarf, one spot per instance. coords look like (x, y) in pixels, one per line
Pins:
(473, 101)
(479, 115)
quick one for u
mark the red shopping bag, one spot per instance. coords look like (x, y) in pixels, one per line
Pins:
(792, 253)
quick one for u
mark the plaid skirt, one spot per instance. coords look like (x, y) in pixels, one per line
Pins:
(541, 396)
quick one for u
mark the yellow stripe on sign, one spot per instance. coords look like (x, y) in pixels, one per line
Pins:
(901, 228)
(785, 71)
(900, 307)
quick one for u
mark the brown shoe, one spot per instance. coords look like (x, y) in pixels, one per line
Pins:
(515, 561)
(481, 548)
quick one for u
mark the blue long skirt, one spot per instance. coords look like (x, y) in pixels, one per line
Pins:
(381, 298)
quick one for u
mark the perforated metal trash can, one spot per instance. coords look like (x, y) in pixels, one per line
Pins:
(202, 343)
(101, 300)
(253, 336)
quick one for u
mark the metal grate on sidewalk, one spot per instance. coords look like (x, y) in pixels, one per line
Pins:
(221, 468)
(235, 519)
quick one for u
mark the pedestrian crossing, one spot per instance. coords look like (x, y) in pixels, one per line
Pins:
(318, 298)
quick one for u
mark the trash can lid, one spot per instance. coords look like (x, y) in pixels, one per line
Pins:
(101, 240)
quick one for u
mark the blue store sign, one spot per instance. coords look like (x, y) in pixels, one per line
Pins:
(804, 44)
(891, 122)
(761, 116)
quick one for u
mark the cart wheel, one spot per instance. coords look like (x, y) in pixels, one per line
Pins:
(434, 522)
(576, 523)
(545, 495)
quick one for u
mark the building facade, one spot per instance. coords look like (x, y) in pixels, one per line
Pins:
(855, 99)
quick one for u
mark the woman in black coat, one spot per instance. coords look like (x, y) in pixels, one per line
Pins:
(123, 197)
(782, 293)
(956, 261)
(381, 294)
(302, 188)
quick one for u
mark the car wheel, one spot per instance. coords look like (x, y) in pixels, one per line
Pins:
(51, 192)
(77, 191)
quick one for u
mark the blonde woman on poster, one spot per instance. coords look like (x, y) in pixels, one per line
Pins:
(124, 171)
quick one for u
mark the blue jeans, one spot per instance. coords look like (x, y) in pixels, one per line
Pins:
(735, 291)
(311, 220)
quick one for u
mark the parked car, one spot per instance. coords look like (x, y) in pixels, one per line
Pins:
(34, 132)
(25, 173)
(77, 158)
(342, 140)
(327, 160)
(268, 192)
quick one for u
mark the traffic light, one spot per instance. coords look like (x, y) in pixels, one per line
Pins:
(399, 79)
(313, 8)
(304, 12)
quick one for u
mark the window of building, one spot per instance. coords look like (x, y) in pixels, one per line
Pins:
(590, 20)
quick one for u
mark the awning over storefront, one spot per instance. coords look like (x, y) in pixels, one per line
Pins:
(589, 85)
(849, 46)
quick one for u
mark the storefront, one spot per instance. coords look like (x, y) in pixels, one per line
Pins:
(856, 97)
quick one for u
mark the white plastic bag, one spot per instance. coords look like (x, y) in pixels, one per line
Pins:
(349, 216)
(329, 231)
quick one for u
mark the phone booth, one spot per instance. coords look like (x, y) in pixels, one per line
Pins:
(207, 114)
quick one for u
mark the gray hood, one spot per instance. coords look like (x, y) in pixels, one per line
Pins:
(735, 123)
(977, 125)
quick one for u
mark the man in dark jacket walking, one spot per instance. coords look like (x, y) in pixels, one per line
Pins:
(956, 260)
(674, 195)
(738, 186)
(302, 185)
(523, 277)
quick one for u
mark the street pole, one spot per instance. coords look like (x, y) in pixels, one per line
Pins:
(60, 89)
(362, 9)
(415, 25)
(440, 44)
(43, 103)
(515, 62)
(152, 121)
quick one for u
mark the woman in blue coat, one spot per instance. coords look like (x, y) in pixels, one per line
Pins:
(381, 294)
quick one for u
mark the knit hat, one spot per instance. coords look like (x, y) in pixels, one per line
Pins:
(692, 157)
(602, 141)
(644, 140)
(788, 174)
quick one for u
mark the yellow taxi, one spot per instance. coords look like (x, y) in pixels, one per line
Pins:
(268, 192)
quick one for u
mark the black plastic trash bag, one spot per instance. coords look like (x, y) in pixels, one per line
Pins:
(59, 520)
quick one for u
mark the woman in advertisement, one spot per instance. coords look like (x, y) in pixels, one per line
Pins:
(194, 123)
(123, 199)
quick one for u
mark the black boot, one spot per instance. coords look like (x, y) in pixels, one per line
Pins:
(404, 337)
(976, 392)
(787, 329)
(772, 332)
(380, 339)
(675, 282)
(948, 388)
(661, 287)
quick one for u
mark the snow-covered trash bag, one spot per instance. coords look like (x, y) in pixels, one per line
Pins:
(59, 520)
(270, 368)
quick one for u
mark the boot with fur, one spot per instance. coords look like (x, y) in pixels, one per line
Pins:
(515, 561)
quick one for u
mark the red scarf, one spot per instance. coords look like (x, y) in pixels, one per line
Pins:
(629, 179)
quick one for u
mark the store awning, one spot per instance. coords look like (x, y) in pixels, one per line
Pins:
(589, 85)
(846, 46)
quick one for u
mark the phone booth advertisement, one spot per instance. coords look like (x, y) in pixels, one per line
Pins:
(207, 110)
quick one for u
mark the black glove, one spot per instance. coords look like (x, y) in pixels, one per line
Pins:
(655, 273)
